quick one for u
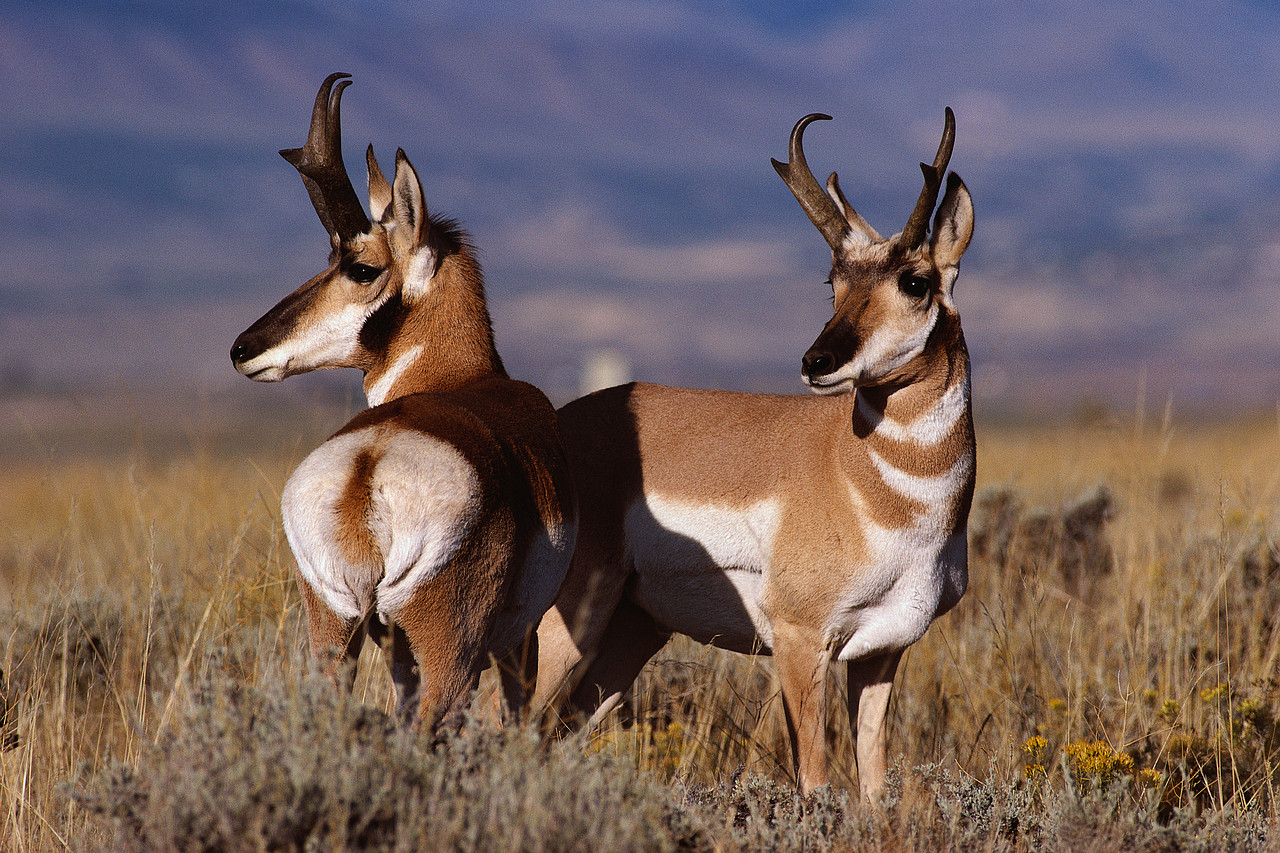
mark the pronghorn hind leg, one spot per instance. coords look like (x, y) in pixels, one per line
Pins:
(570, 632)
(802, 671)
(435, 670)
(441, 632)
(630, 639)
(405, 675)
(335, 641)
(870, 687)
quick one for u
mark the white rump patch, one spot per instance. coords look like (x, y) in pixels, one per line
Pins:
(421, 509)
(424, 508)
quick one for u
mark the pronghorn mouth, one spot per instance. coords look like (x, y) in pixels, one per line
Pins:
(268, 373)
(829, 384)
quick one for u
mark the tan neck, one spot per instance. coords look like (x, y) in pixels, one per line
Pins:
(941, 372)
(923, 430)
(443, 341)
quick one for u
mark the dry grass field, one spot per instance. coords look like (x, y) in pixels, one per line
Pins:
(1109, 682)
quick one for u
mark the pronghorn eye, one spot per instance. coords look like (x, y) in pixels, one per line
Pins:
(363, 273)
(915, 286)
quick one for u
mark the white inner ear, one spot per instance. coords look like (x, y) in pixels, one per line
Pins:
(419, 272)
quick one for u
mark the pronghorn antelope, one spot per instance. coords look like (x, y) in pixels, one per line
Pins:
(442, 518)
(815, 529)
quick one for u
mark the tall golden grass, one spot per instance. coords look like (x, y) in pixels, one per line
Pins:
(1146, 665)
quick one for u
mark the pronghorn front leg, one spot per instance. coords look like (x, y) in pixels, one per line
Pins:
(870, 687)
(518, 673)
(630, 639)
(802, 669)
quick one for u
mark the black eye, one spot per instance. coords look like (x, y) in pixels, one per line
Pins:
(915, 286)
(363, 273)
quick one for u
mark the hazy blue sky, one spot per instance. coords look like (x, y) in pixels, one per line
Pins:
(612, 162)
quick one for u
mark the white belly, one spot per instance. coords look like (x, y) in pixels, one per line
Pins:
(700, 568)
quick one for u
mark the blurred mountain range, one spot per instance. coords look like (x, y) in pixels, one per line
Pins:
(612, 163)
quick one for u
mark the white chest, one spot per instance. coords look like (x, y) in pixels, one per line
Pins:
(910, 580)
(912, 574)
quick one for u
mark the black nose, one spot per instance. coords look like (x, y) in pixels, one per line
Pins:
(239, 352)
(816, 363)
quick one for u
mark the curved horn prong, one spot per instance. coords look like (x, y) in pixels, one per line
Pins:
(913, 232)
(319, 162)
(822, 211)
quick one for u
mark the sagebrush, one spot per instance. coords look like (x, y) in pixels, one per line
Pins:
(1109, 681)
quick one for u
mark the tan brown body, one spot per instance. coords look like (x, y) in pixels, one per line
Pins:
(441, 520)
(815, 529)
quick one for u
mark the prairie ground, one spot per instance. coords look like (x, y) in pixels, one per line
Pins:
(1108, 682)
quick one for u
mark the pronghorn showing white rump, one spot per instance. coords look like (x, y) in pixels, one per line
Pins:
(815, 529)
(441, 519)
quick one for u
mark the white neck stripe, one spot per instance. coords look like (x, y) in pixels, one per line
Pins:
(381, 387)
(928, 429)
(931, 491)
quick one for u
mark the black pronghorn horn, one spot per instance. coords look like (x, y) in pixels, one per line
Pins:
(913, 232)
(817, 204)
(319, 162)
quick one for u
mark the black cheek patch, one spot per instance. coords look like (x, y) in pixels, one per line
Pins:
(382, 325)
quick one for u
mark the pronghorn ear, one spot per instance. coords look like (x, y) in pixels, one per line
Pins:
(408, 210)
(379, 189)
(952, 225)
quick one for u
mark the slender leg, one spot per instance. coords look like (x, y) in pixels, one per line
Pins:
(518, 672)
(334, 640)
(437, 665)
(570, 632)
(442, 628)
(404, 674)
(630, 639)
(870, 687)
(802, 669)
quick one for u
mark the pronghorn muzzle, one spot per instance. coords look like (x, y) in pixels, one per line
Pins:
(268, 332)
(835, 347)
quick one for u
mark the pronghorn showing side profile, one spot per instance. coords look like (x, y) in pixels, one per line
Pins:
(441, 519)
(816, 529)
